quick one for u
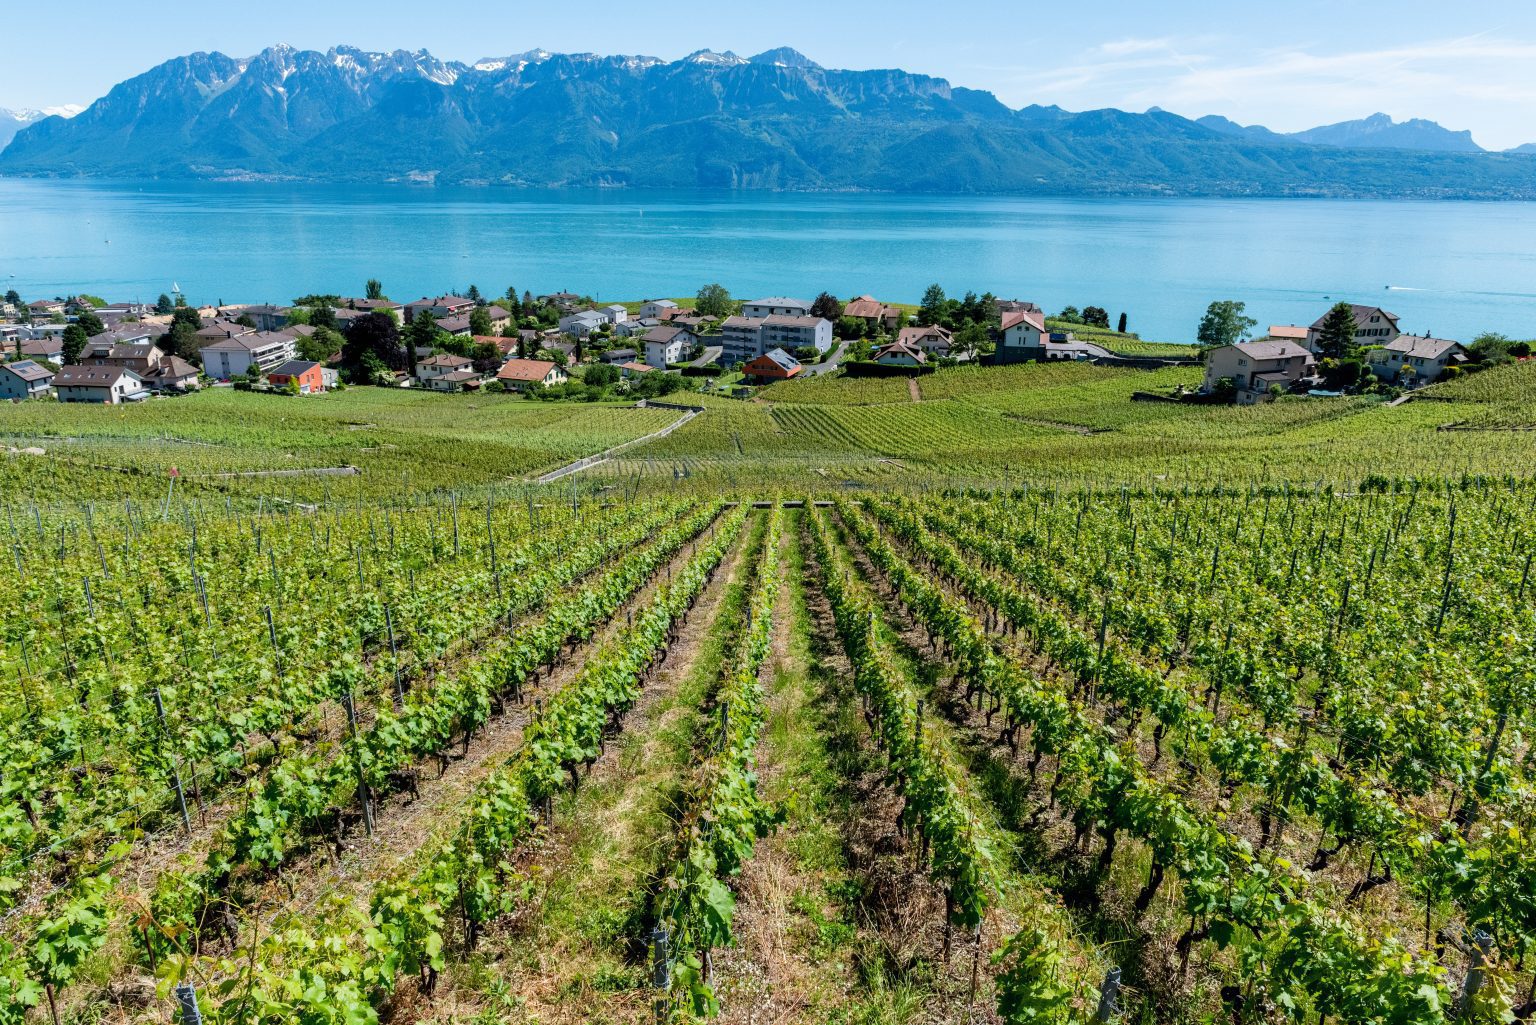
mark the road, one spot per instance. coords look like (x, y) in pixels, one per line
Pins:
(813, 369)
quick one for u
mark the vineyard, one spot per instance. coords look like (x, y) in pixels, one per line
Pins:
(850, 712)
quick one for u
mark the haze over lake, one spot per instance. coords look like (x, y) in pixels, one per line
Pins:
(1450, 268)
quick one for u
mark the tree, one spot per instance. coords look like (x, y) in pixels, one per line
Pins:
(1096, 316)
(473, 295)
(932, 310)
(90, 323)
(74, 342)
(163, 305)
(486, 356)
(1224, 323)
(374, 289)
(969, 339)
(298, 316)
(1070, 315)
(827, 307)
(1336, 338)
(1121, 326)
(13, 298)
(323, 316)
(320, 346)
(423, 333)
(181, 340)
(375, 338)
(601, 374)
(480, 322)
(714, 301)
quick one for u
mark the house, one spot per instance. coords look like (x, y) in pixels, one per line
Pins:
(666, 345)
(108, 385)
(875, 314)
(1007, 306)
(773, 365)
(1427, 357)
(519, 375)
(632, 369)
(653, 308)
(234, 357)
(440, 372)
(378, 306)
(1024, 337)
(50, 349)
(1373, 326)
(24, 379)
(500, 318)
(440, 307)
(222, 330)
(782, 331)
(901, 354)
(581, 324)
(46, 308)
(266, 318)
(309, 376)
(565, 302)
(936, 341)
(125, 334)
(635, 328)
(141, 357)
(456, 326)
(1255, 367)
(614, 357)
(1287, 333)
(698, 325)
(173, 374)
(48, 330)
(614, 314)
(775, 306)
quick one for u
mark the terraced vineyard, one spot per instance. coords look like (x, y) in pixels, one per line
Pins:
(1058, 754)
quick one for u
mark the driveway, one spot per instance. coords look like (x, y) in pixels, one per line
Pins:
(812, 369)
(711, 355)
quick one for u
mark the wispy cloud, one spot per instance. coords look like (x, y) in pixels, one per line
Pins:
(1479, 82)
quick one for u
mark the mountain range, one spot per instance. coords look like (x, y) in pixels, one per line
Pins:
(13, 121)
(715, 120)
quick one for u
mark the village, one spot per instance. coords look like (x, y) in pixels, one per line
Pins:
(563, 345)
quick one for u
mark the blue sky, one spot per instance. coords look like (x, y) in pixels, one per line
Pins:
(1288, 64)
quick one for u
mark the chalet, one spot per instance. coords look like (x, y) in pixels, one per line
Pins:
(936, 341)
(775, 306)
(308, 375)
(520, 375)
(901, 354)
(874, 314)
(234, 357)
(1373, 326)
(24, 379)
(1426, 357)
(442, 306)
(667, 345)
(773, 365)
(107, 385)
(1256, 367)
(653, 308)
(442, 372)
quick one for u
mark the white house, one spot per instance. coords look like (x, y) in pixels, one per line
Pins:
(782, 331)
(521, 374)
(901, 354)
(656, 307)
(24, 379)
(444, 372)
(614, 314)
(233, 357)
(933, 340)
(664, 345)
(581, 324)
(109, 385)
(1373, 326)
(1024, 337)
(776, 306)
(1427, 357)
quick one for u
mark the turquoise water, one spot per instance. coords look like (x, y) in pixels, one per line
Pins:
(1453, 269)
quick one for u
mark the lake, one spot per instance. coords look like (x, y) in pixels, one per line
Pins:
(1450, 268)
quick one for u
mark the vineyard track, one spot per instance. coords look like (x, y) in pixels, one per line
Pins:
(587, 462)
(546, 964)
(914, 389)
(403, 827)
(842, 856)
